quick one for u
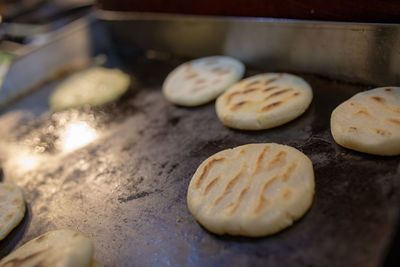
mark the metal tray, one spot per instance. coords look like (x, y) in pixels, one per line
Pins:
(126, 189)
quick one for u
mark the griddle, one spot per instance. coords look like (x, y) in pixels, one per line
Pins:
(126, 190)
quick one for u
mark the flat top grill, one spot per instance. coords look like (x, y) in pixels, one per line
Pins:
(127, 189)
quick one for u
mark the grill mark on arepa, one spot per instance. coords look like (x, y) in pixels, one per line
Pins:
(220, 71)
(253, 83)
(261, 199)
(239, 201)
(395, 121)
(249, 90)
(352, 129)
(270, 88)
(364, 112)
(9, 216)
(242, 151)
(206, 170)
(287, 193)
(190, 76)
(286, 174)
(278, 93)
(388, 89)
(210, 184)
(378, 99)
(382, 132)
(279, 158)
(273, 79)
(236, 106)
(259, 160)
(382, 101)
(277, 103)
(229, 186)
(271, 106)
(230, 96)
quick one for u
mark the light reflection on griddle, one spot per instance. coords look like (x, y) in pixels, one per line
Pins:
(26, 161)
(76, 135)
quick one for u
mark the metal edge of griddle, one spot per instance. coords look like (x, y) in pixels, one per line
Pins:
(67, 48)
(357, 52)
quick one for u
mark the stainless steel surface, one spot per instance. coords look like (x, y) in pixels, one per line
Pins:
(60, 50)
(368, 53)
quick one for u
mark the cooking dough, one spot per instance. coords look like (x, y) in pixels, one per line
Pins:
(201, 80)
(59, 248)
(94, 86)
(12, 208)
(264, 101)
(369, 122)
(252, 190)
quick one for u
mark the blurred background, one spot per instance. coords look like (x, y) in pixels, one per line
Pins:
(26, 24)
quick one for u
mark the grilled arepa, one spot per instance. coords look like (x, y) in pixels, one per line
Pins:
(251, 190)
(369, 122)
(92, 87)
(264, 101)
(12, 208)
(201, 80)
(61, 248)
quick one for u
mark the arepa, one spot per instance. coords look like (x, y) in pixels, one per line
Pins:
(251, 190)
(369, 122)
(201, 80)
(12, 208)
(59, 248)
(264, 101)
(94, 86)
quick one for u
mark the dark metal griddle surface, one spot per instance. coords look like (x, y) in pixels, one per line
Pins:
(127, 189)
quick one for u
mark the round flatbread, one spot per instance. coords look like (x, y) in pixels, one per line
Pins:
(201, 80)
(12, 208)
(264, 101)
(369, 122)
(60, 248)
(251, 190)
(94, 86)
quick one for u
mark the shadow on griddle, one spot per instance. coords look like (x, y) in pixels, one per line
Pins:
(8, 244)
(350, 154)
